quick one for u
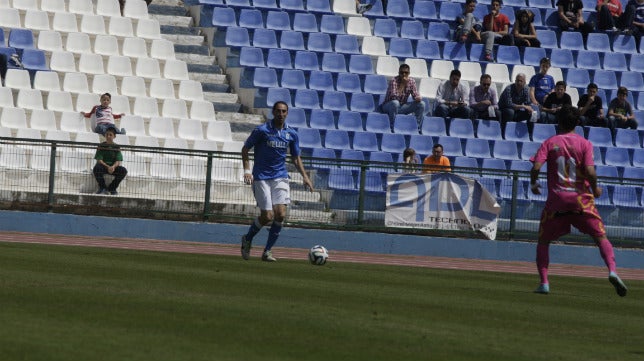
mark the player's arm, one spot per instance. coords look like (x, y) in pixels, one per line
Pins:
(534, 177)
(591, 175)
(248, 175)
(300, 168)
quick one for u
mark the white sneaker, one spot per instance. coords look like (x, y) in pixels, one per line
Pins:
(245, 248)
(620, 287)
(267, 256)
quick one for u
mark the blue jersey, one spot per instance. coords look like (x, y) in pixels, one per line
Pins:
(271, 147)
(542, 84)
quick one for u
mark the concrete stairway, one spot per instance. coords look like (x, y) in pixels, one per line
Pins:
(191, 46)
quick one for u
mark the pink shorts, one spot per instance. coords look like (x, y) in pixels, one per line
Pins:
(556, 224)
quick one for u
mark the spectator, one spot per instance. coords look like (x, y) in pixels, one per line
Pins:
(3, 67)
(436, 162)
(570, 16)
(620, 111)
(514, 102)
(523, 30)
(591, 108)
(104, 116)
(541, 84)
(634, 19)
(451, 98)
(108, 160)
(484, 101)
(363, 8)
(554, 102)
(610, 15)
(399, 90)
(495, 29)
(468, 26)
(411, 161)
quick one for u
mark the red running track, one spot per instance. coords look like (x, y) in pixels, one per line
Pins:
(301, 254)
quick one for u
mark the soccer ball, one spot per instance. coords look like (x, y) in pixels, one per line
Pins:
(318, 255)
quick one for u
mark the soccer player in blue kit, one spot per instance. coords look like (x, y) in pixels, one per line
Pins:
(269, 177)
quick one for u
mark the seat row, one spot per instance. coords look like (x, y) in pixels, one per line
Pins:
(136, 9)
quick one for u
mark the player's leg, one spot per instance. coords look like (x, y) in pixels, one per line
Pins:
(551, 228)
(262, 193)
(280, 196)
(543, 261)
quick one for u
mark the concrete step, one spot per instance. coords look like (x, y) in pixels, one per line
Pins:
(227, 107)
(180, 30)
(215, 88)
(204, 68)
(220, 97)
(208, 78)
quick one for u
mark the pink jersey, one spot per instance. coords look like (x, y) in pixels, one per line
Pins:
(567, 156)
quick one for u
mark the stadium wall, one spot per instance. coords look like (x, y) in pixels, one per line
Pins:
(52, 223)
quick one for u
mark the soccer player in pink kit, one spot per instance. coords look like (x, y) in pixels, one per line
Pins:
(572, 188)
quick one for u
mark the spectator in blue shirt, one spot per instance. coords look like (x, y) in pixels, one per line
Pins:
(541, 84)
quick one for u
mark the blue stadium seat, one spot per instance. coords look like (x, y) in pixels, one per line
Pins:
(578, 78)
(306, 60)
(617, 157)
(571, 40)
(319, 7)
(279, 58)
(334, 100)
(449, 11)
(307, 99)
(341, 179)
(633, 173)
(319, 42)
(422, 144)
(521, 166)
(627, 138)
(412, 29)
(639, 104)
(633, 81)
(292, 40)
(454, 51)
(379, 156)
(309, 138)
(480, 10)
(405, 124)
(425, 11)
(509, 12)
(365, 141)
(351, 154)
(597, 155)
(237, 37)
(278, 20)
(608, 171)
(347, 44)
(515, 3)
(505, 149)
(334, 62)
(541, 132)
(265, 78)
(34, 60)
(434, 126)
(362, 102)
(477, 52)
(438, 32)
(265, 38)
(398, 9)
(451, 146)
(374, 182)
(377, 123)
(638, 158)
(490, 185)
(623, 44)
(600, 137)
(615, 62)
(466, 162)
(393, 143)
(360, 64)
(540, 4)
(274, 95)
(304, 22)
(293, 79)
(489, 165)
(297, 118)
(489, 129)
(239, 4)
(428, 49)
(401, 48)
(385, 28)
(636, 62)
(251, 57)
(265, 4)
(528, 149)
(322, 119)
(328, 154)
(21, 39)
(224, 17)
(296, 6)
(626, 197)
(251, 18)
(532, 56)
(349, 83)
(598, 42)
(350, 121)
(508, 55)
(548, 38)
(587, 59)
(321, 80)
(337, 139)
(332, 24)
(516, 132)
(562, 58)
(477, 148)
(462, 128)
(605, 79)
(376, 10)
(375, 84)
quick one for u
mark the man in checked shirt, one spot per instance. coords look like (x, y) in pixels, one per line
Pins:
(399, 90)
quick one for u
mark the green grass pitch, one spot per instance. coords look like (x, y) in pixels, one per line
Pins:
(74, 303)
